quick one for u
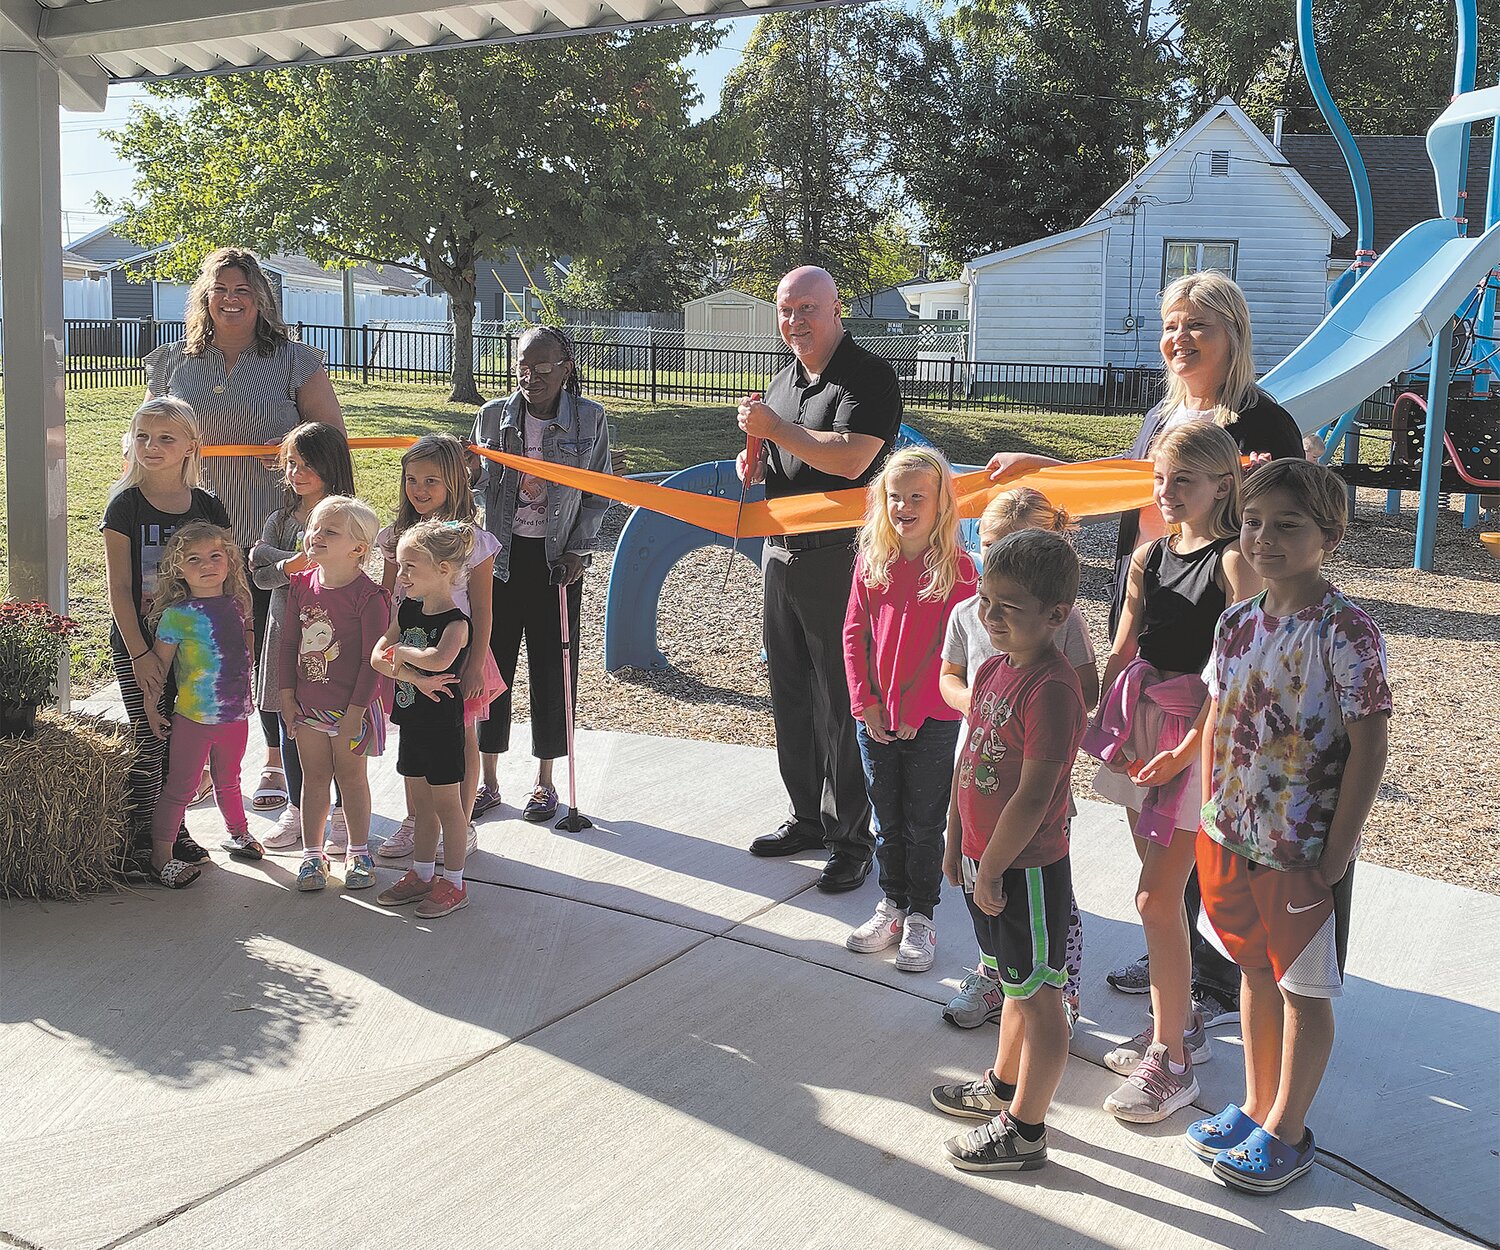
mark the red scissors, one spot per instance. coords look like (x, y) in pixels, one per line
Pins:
(754, 449)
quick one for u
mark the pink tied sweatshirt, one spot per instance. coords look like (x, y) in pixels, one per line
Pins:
(1108, 737)
(893, 643)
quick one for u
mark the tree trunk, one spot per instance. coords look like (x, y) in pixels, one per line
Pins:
(461, 296)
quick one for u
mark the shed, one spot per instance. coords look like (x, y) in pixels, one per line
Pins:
(730, 312)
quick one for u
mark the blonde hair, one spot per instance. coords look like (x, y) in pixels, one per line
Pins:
(448, 454)
(363, 523)
(450, 542)
(1203, 447)
(176, 412)
(1024, 508)
(270, 329)
(1213, 292)
(879, 546)
(171, 583)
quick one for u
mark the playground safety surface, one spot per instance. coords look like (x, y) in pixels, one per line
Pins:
(641, 1036)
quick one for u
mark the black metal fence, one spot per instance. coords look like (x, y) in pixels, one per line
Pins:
(103, 353)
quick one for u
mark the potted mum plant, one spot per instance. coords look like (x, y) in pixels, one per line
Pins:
(33, 639)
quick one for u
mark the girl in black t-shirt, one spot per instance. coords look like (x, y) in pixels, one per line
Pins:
(155, 497)
(424, 650)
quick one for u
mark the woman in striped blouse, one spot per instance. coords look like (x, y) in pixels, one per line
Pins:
(248, 382)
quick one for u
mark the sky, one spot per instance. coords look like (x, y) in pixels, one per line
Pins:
(90, 166)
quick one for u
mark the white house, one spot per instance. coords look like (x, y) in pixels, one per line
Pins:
(1219, 196)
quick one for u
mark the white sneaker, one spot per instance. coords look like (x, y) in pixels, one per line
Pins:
(471, 844)
(337, 840)
(880, 931)
(401, 843)
(288, 831)
(918, 944)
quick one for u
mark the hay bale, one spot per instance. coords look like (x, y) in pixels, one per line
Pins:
(63, 799)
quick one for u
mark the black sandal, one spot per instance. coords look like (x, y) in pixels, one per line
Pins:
(176, 875)
(188, 851)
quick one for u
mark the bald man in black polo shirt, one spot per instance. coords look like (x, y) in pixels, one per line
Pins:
(829, 419)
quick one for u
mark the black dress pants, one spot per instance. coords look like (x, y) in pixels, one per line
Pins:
(806, 595)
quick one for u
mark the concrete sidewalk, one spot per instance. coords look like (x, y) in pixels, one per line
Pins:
(642, 1036)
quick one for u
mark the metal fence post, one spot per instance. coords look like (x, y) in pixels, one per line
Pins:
(364, 353)
(952, 367)
(1109, 390)
(651, 355)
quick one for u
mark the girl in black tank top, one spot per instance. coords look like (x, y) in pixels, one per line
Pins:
(1177, 589)
(1182, 600)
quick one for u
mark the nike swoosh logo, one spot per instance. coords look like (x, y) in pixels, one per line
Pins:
(1297, 911)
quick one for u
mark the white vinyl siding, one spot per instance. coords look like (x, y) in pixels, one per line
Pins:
(1281, 257)
(1044, 306)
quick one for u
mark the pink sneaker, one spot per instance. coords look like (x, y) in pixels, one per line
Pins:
(407, 890)
(442, 899)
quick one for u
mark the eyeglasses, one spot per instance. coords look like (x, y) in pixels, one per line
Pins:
(540, 371)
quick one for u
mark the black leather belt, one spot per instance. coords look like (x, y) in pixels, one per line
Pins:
(811, 542)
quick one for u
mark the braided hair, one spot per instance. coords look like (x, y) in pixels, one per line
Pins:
(565, 345)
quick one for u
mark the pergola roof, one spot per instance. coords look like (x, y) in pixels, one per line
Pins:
(96, 42)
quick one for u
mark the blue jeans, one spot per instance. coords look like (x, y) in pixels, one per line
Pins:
(909, 782)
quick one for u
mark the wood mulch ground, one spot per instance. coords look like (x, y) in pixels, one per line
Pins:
(1436, 815)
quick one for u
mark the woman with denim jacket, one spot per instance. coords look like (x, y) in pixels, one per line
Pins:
(546, 535)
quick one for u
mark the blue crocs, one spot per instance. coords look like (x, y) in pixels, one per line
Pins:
(1225, 1131)
(1263, 1164)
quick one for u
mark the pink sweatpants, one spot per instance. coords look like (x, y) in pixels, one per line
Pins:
(222, 748)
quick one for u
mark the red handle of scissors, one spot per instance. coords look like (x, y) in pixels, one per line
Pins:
(754, 446)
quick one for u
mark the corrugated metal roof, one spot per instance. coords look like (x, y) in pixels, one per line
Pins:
(134, 40)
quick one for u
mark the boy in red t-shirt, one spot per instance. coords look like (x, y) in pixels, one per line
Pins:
(1008, 843)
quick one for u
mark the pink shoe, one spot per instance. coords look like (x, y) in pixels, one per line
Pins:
(442, 899)
(407, 890)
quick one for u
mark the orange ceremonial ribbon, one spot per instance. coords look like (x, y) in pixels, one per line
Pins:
(1092, 488)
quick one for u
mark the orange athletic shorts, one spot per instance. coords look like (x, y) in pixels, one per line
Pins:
(1262, 917)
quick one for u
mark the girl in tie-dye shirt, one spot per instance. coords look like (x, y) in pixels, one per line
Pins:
(202, 627)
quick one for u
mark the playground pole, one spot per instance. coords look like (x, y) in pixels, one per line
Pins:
(1364, 206)
(1441, 370)
(1484, 324)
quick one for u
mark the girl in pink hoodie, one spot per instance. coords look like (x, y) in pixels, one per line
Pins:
(910, 574)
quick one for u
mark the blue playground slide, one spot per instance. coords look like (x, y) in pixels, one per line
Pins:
(1387, 322)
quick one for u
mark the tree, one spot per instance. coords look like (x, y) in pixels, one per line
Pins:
(992, 154)
(431, 162)
(1388, 65)
(814, 185)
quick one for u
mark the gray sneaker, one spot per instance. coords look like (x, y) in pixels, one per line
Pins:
(1126, 1057)
(978, 1001)
(1132, 978)
(996, 1147)
(1153, 1091)
(976, 1100)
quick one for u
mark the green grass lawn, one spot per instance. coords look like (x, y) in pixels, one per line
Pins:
(668, 436)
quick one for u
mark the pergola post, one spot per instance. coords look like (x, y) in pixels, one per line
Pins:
(36, 458)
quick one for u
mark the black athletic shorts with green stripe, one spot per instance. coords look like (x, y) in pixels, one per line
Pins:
(1030, 935)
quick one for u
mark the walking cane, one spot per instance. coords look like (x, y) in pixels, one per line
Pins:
(574, 821)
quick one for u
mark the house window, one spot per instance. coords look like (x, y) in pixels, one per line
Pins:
(950, 314)
(1185, 256)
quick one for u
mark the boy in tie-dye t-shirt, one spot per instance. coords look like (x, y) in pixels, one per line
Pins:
(1298, 730)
